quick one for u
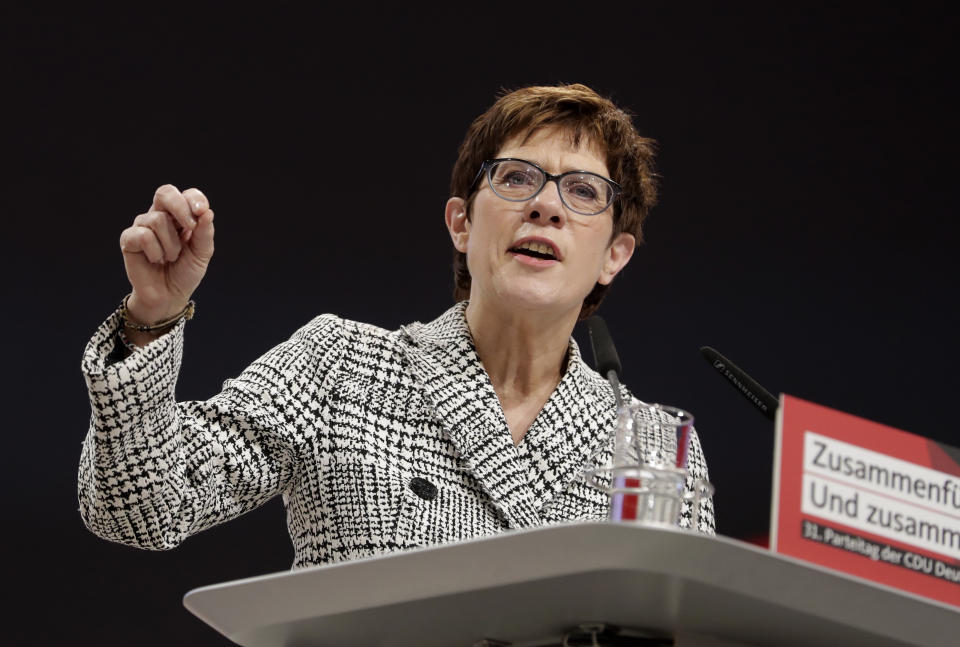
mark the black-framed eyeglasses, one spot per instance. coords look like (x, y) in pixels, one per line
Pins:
(517, 180)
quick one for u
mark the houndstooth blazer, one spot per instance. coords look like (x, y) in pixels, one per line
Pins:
(377, 440)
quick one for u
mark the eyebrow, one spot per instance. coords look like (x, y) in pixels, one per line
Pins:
(573, 170)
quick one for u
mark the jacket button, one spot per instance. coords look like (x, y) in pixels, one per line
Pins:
(423, 488)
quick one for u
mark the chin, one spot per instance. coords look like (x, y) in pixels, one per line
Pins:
(536, 298)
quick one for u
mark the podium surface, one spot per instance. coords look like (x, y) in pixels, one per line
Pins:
(531, 587)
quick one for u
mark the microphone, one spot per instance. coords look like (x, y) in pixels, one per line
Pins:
(746, 385)
(605, 354)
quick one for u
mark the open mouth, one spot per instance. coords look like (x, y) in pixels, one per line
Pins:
(535, 249)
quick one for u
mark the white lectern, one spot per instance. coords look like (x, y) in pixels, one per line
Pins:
(530, 588)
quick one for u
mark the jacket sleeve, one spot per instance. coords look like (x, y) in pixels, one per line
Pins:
(154, 471)
(694, 488)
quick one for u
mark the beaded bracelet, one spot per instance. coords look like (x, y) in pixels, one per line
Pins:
(186, 313)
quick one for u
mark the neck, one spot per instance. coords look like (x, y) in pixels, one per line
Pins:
(524, 353)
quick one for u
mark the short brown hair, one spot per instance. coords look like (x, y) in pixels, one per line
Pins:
(584, 114)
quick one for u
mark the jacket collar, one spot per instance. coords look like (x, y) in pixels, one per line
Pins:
(520, 480)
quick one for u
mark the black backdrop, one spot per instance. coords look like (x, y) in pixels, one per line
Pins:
(805, 230)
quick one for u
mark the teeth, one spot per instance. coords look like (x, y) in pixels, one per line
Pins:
(534, 246)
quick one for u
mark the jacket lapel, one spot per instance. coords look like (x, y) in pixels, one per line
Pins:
(571, 426)
(444, 361)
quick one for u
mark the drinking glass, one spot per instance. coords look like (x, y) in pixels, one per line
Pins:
(644, 467)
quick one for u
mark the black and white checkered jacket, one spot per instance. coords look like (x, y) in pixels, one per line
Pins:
(378, 441)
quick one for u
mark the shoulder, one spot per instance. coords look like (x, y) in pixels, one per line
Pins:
(329, 328)
(339, 339)
(326, 348)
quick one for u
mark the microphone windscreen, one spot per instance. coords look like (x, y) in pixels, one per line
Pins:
(604, 352)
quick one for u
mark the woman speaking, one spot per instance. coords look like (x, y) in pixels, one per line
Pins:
(476, 422)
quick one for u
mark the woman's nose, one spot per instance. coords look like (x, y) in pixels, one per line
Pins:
(546, 207)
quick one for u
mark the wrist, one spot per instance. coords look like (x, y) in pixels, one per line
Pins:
(154, 328)
(134, 339)
(138, 313)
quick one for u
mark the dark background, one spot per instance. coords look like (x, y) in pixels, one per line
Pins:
(806, 228)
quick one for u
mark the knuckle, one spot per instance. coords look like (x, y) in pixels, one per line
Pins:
(156, 249)
(159, 219)
(172, 225)
(194, 193)
(146, 236)
(135, 240)
(143, 219)
(131, 236)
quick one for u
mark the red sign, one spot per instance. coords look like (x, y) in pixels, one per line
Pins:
(866, 499)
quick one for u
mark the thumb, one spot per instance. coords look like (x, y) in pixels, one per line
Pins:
(201, 238)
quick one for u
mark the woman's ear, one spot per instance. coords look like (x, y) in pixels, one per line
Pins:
(457, 223)
(617, 256)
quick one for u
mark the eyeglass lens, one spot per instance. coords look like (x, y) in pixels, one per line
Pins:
(585, 193)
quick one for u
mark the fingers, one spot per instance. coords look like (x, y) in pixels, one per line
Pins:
(197, 202)
(170, 224)
(184, 207)
(143, 240)
(162, 225)
(202, 241)
(155, 235)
